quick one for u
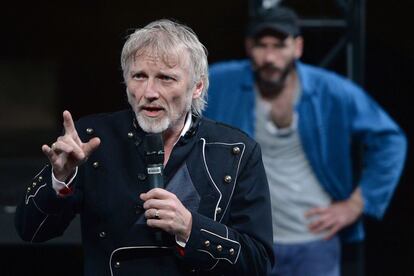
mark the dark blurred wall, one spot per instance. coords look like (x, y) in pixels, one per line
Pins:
(65, 55)
(389, 75)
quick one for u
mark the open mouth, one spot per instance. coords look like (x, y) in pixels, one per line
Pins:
(152, 111)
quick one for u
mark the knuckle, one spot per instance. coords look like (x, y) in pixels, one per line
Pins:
(173, 207)
(169, 214)
(170, 225)
(82, 155)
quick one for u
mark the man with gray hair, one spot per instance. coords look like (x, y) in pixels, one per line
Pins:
(211, 217)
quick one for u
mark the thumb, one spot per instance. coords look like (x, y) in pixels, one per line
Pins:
(91, 146)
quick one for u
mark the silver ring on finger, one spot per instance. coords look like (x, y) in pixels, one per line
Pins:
(53, 147)
(157, 214)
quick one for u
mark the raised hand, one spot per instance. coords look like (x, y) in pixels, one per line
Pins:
(165, 211)
(68, 151)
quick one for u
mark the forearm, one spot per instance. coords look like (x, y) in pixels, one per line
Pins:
(356, 202)
(384, 148)
(42, 214)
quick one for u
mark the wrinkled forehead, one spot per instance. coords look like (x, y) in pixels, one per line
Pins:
(171, 58)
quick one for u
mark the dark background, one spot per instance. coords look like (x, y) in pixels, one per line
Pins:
(65, 55)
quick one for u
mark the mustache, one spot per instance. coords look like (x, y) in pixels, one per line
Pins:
(269, 66)
(150, 105)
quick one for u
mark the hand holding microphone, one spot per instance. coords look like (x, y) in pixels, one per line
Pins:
(154, 158)
(162, 208)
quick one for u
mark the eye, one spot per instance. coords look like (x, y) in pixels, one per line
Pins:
(280, 45)
(260, 45)
(139, 76)
(166, 78)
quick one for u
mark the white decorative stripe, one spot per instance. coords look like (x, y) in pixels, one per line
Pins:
(38, 228)
(205, 251)
(38, 208)
(30, 196)
(208, 172)
(224, 238)
(131, 247)
(211, 268)
(238, 254)
(214, 265)
(237, 171)
(40, 171)
(234, 241)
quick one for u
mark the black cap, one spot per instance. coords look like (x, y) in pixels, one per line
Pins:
(281, 20)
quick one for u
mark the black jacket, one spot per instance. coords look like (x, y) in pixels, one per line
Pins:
(215, 170)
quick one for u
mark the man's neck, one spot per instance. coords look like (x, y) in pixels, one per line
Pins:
(171, 137)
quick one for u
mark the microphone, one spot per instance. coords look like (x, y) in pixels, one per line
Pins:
(154, 159)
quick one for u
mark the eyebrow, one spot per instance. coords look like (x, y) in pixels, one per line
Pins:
(176, 76)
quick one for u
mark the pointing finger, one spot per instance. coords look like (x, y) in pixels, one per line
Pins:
(68, 123)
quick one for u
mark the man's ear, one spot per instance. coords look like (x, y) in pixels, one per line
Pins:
(198, 88)
(248, 45)
(298, 47)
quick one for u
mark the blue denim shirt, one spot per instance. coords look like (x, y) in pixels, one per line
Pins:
(335, 115)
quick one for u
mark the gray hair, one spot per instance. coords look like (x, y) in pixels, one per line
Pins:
(164, 37)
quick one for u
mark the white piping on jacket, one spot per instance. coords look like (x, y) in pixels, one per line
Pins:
(132, 247)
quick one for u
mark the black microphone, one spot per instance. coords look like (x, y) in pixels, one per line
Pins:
(154, 158)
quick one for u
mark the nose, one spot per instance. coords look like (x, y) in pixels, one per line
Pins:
(151, 91)
(270, 56)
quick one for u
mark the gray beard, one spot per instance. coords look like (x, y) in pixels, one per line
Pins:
(157, 125)
(151, 125)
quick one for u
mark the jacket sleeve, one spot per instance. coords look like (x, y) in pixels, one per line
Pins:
(384, 149)
(242, 245)
(42, 214)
